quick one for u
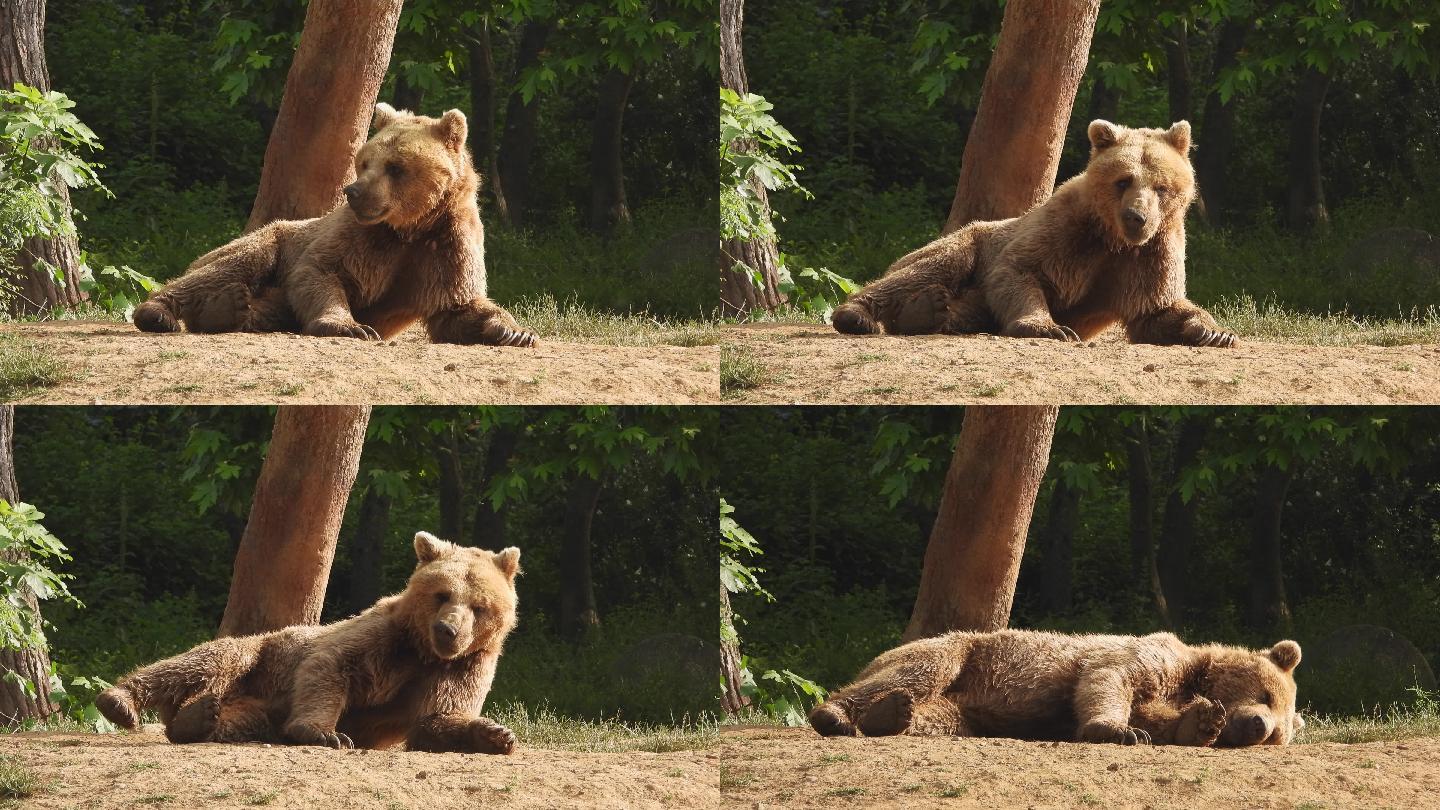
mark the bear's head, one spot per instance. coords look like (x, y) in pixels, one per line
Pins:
(1139, 182)
(460, 601)
(409, 168)
(1257, 690)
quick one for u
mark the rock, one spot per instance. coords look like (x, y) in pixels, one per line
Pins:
(1359, 667)
(1149, 366)
(451, 366)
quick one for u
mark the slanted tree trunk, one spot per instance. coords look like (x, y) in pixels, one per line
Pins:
(739, 294)
(608, 209)
(578, 614)
(482, 118)
(973, 557)
(30, 663)
(1177, 528)
(1305, 189)
(1057, 566)
(325, 112)
(1141, 476)
(1269, 609)
(451, 491)
(368, 553)
(488, 530)
(1013, 150)
(284, 559)
(1177, 72)
(1217, 128)
(22, 59)
(517, 142)
(730, 700)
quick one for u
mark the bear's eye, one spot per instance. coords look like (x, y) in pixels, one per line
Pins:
(1122, 184)
(1162, 190)
(1266, 698)
(394, 169)
(478, 610)
(442, 597)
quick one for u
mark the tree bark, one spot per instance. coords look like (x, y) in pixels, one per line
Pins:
(284, 559)
(452, 488)
(578, 614)
(608, 209)
(1057, 566)
(1177, 528)
(488, 530)
(1269, 609)
(517, 142)
(367, 564)
(1142, 506)
(30, 663)
(739, 294)
(731, 701)
(1177, 72)
(1217, 128)
(1013, 150)
(973, 557)
(1305, 189)
(482, 118)
(22, 59)
(325, 112)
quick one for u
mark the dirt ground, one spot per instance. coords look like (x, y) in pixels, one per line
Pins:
(114, 363)
(815, 364)
(139, 770)
(770, 767)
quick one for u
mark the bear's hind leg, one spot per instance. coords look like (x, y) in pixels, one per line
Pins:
(211, 718)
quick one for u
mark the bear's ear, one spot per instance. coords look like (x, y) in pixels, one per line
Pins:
(1179, 136)
(508, 561)
(1286, 655)
(1104, 134)
(451, 128)
(428, 547)
(385, 115)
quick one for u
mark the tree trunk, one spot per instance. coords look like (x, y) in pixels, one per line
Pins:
(1217, 129)
(1142, 506)
(284, 559)
(408, 96)
(1177, 72)
(30, 663)
(1269, 609)
(482, 118)
(730, 700)
(1013, 150)
(517, 142)
(452, 488)
(739, 294)
(608, 209)
(577, 587)
(367, 581)
(488, 530)
(973, 557)
(1057, 566)
(1177, 528)
(325, 112)
(22, 59)
(1305, 189)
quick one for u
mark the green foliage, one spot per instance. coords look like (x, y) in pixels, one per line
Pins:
(115, 289)
(751, 143)
(29, 554)
(736, 544)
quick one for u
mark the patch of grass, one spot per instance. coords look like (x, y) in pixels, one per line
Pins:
(1270, 321)
(185, 388)
(1399, 723)
(16, 780)
(289, 389)
(25, 368)
(732, 777)
(267, 797)
(741, 370)
(994, 389)
(542, 728)
(953, 791)
(156, 798)
(846, 792)
(831, 759)
(573, 321)
(168, 354)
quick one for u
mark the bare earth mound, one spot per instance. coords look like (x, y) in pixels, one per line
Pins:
(945, 772)
(139, 770)
(113, 362)
(815, 364)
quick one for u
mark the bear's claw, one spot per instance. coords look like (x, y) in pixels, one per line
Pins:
(353, 329)
(829, 721)
(492, 738)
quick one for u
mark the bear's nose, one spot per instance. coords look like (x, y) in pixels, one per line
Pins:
(351, 192)
(1257, 727)
(445, 631)
(1133, 218)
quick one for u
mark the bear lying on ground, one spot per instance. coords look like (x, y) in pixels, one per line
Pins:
(1108, 246)
(407, 245)
(415, 668)
(1088, 688)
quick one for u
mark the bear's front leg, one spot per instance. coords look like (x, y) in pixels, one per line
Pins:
(1181, 323)
(1021, 308)
(1103, 700)
(320, 304)
(441, 733)
(477, 321)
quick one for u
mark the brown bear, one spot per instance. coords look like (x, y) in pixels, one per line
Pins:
(1088, 688)
(407, 245)
(414, 668)
(1108, 246)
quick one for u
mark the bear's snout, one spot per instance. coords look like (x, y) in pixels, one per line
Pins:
(1133, 219)
(445, 632)
(1247, 727)
(352, 192)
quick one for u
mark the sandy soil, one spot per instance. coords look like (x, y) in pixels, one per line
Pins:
(797, 768)
(815, 364)
(114, 363)
(139, 770)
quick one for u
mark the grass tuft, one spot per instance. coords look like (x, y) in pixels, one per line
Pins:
(26, 367)
(574, 321)
(741, 370)
(542, 728)
(1270, 321)
(16, 780)
(1403, 721)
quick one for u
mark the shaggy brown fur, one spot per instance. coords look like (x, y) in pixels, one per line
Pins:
(1050, 686)
(1108, 246)
(415, 668)
(407, 246)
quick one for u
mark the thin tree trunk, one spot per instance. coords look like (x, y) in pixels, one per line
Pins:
(730, 700)
(1177, 72)
(325, 112)
(30, 663)
(1177, 528)
(1269, 609)
(517, 142)
(739, 294)
(1057, 566)
(451, 491)
(284, 558)
(973, 557)
(488, 530)
(1142, 506)
(1104, 104)
(482, 117)
(1013, 150)
(578, 614)
(1305, 189)
(368, 553)
(1217, 128)
(22, 59)
(408, 96)
(608, 209)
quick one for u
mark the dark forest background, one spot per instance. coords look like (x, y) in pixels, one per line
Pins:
(1253, 524)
